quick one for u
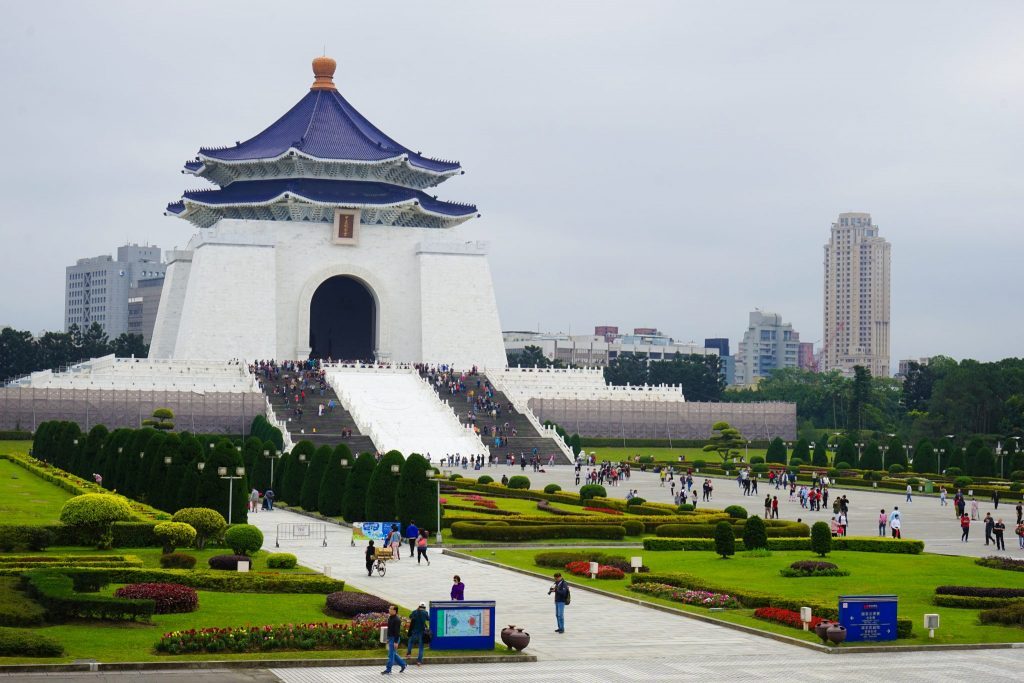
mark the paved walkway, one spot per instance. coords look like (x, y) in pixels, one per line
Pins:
(923, 518)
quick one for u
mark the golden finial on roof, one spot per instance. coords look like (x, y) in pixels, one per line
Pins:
(323, 69)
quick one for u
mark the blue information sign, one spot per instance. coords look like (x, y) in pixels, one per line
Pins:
(868, 617)
(462, 625)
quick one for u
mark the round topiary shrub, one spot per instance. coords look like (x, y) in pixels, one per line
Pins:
(913, 481)
(633, 527)
(756, 459)
(281, 561)
(821, 539)
(92, 514)
(1016, 486)
(962, 482)
(842, 465)
(588, 491)
(795, 462)
(177, 561)
(635, 500)
(736, 511)
(760, 468)
(485, 479)
(700, 464)
(725, 540)
(209, 524)
(454, 477)
(874, 475)
(552, 488)
(174, 535)
(349, 604)
(519, 482)
(687, 507)
(897, 468)
(645, 459)
(170, 598)
(1017, 475)
(754, 534)
(227, 562)
(244, 539)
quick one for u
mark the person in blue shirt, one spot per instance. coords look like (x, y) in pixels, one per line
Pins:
(411, 534)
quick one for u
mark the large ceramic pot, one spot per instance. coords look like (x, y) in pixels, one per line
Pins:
(836, 634)
(515, 637)
(821, 630)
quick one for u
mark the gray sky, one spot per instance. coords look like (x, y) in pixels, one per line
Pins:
(636, 163)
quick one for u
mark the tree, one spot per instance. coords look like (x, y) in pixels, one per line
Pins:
(92, 514)
(820, 457)
(132, 457)
(212, 491)
(917, 387)
(725, 540)
(982, 463)
(575, 444)
(354, 509)
(821, 539)
(291, 483)
(67, 449)
(532, 357)
(416, 497)
(846, 452)
(162, 419)
(252, 454)
(754, 534)
(802, 450)
(380, 492)
(726, 443)
(776, 452)
(896, 454)
(112, 452)
(149, 464)
(261, 464)
(331, 499)
(93, 451)
(860, 396)
(872, 457)
(313, 477)
(924, 457)
(161, 491)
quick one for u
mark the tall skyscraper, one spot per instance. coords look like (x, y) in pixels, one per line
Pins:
(857, 286)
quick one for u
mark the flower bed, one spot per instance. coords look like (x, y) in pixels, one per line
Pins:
(812, 568)
(687, 597)
(266, 638)
(489, 504)
(997, 562)
(170, 598)
(604, 571)
(785, 617)
(604, 511)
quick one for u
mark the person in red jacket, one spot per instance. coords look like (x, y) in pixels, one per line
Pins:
(965, 527)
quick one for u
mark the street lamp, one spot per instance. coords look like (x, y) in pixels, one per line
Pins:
(222, 472)
(142, 454)
(859, 446)
(200, 465)
(272, 456)
(999, 454)
(395, 470)
(939, 452)
(883, 449)
(167, 460)
(437, 478)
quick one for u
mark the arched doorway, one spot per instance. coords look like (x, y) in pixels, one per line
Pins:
(342, 320)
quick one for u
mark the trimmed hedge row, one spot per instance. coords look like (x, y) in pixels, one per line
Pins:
(528, 533)
(17, 564)
(998, 562)
(852, 543)
(523, 494)
(249, 582)
(19, 643)
(646, 508)
(650, 524)
(1011, 616)
(55, 591)
(477, 508)
(973, 601)
(980, 591)
(753, 598)
(558, 559)
(40, 537)
(789, 530)
(16, 608)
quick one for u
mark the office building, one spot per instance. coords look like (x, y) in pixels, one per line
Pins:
(600, 349)
(768, 344)
(98, 289)
(857, 281)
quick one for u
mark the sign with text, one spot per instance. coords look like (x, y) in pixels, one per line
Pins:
(371, 531)
(462, 625)
(868, 617)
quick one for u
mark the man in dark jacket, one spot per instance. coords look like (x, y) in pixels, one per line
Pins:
(419, 621)
(394, 637)
(561, 591)
(412, 532)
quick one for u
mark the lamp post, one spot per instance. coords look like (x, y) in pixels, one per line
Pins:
(999, 454)
(272, 456)
(859, 446)
(437, 479)
(939, 452)
(883, 449)
(222, 472)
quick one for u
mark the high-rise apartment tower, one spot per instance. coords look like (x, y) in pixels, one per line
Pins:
(857, 268)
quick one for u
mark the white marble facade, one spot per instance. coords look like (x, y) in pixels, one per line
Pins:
(243, 289)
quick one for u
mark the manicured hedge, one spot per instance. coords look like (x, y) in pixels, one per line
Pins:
(54, 590)
(170, 598)
(1012, 615)
(23, 643)
(228, 562)
(973, 602)
(14, 565)
(135, 535)
(15, 435)
(281, 561)
(177, 561)
(804, 568)
(16, 608)
(790, 530)
(248, 582)
(244, 539)
(350, 603)
(868, 544)
(529, 533)
(980, 591)
(997, 562)
(649, 523)
(558, 559)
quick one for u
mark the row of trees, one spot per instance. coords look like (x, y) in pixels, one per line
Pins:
(700, 376)
(162, 470)
(22, 353)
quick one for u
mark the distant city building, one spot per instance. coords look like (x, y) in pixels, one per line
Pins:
(904, 365)
(768, 344)
(143, 303)
(857, 283)
(98, 289)
(720, 343)
(805, 357)
(596, 350)
(609, 332)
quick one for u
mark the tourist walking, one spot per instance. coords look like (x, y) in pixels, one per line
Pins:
(369, 558)
(965, 528)
(394, 638)
(1020, 535)
(910, 490)
(989, 525)
(421, 547)
(395, 541)
(974, 508)
(412, 533)
(896, 523)
(998, 530)
(254, 500)
(268, 499)
(883, 519)
(562, 597)
(458, 589)
(419, 623)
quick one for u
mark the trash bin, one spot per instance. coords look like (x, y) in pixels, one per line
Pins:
(929, 485)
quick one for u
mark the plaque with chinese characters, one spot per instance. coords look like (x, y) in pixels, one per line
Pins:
(346, 227)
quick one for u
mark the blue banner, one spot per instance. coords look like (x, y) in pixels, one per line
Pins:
(868, 617)
(375, 531)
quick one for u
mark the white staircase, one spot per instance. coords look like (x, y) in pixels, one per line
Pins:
(399, 411)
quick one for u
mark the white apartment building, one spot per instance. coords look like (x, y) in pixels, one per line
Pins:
(98, 289)
(857, 283)
(598, 349)
(768, 344)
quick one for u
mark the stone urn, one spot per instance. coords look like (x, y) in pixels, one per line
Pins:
(821, 630)
(516, 638)
(836, 634)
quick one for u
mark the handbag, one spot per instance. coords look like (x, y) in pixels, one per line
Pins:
(426, 637)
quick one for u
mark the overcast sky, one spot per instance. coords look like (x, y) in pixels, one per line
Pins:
(673, 165)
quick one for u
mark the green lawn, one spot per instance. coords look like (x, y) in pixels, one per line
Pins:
(26, 498)
(15, 447)
(912, 577)
(151, 556)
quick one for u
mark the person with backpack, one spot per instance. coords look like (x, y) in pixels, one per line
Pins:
(421, 547)
(419, 631)
(562, 598)
(394, 540)
(1020, 535)
(998, 530)
(412, 534)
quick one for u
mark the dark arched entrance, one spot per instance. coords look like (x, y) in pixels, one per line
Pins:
(342, 320)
